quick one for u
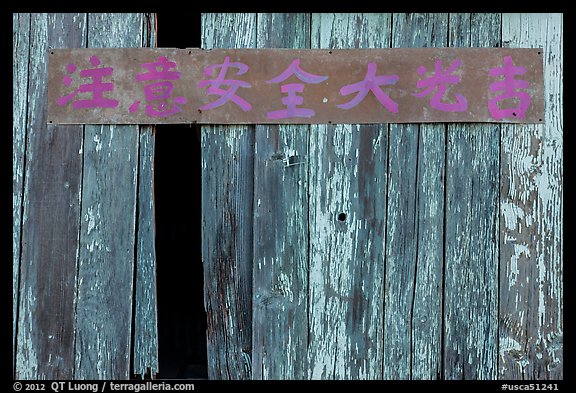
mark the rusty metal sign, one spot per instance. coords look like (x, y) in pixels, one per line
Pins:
(309, 86)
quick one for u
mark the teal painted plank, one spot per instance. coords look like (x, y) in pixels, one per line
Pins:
(427, 301)
(107, 233)
(146, 313)
(280, 299)
(347, 184)
(471, 281)
(227, 219)
(414, 229)
(20, 55)
(531, 214)
(51, 214)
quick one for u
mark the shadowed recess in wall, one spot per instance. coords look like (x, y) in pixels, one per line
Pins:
(180, 279)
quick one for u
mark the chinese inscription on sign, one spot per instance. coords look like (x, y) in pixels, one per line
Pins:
(130, 86)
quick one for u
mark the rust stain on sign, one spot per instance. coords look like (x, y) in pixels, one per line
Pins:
(239, 86)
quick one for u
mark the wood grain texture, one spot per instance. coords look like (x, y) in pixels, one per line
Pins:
(20, 55)
(145, 307)
(53, 170)
(107, 233)
(145, 302)
(227, 219)
(531, 238)
(347, 177)
(281, 160)
(426, 308)
(414, 229)
(471, 272)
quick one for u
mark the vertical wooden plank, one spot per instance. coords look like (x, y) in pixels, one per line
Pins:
(471, 286)
(280, 301)
(145, 307)
(145, 319)
(45, 348)
(347, 175)
(107, 233)
(414, 227)
(426, 326)
(531, 253)
(20, 56)
(227, 218)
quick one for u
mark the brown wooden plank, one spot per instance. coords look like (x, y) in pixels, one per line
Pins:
(471, 279)
(145, 307)
(347, 175)
(280, 297)
(531, 213)
(227, 220)
(406, 97)
(413, 227)
(107, 233)
(20, 55)
(45, 348)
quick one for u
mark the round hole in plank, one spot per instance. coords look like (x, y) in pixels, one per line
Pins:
(342, 217)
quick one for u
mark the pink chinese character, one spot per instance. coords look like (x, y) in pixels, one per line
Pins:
(214, 85)
(371, 83)
(292, 99)
(159, 69)
(509, 85)
(96, 88)
(439, 81)
(159, 94)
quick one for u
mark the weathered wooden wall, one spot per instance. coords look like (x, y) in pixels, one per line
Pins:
(447, 259)
(78, 233)
(382, 251)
